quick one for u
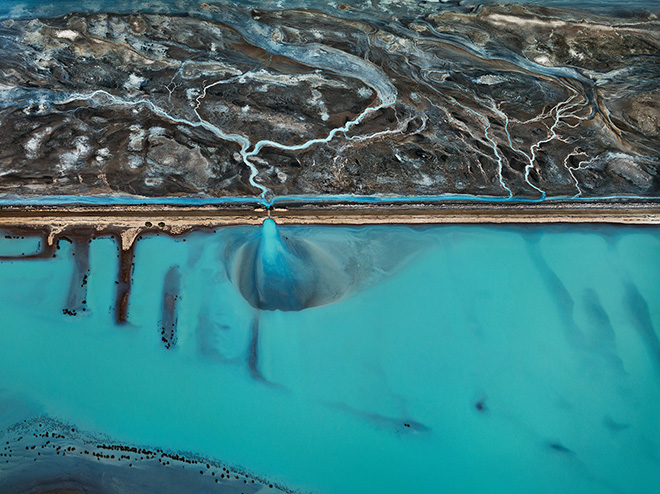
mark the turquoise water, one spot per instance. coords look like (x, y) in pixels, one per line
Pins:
(436, 359)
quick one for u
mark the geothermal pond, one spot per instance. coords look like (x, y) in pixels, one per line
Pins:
(381, 359)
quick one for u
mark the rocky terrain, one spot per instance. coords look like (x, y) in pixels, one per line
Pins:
(404, 99)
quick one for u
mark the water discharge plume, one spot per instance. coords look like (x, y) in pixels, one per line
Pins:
(274, 272)
(294, 268)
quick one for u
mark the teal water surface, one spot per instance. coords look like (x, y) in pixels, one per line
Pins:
(382, 359)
